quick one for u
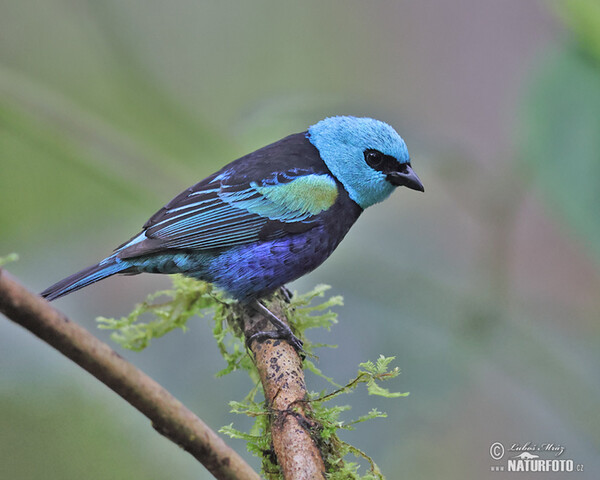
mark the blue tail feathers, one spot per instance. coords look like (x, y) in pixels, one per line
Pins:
(85, 277)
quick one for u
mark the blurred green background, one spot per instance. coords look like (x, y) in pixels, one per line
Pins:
(485, 288)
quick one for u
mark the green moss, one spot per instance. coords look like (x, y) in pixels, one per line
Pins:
(189, 297)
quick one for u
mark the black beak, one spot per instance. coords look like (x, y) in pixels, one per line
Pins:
(406, 178)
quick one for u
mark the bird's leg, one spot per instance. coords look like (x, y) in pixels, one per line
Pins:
(287, 294)
(282, 332)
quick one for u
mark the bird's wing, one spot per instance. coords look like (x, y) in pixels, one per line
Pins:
(223, 211)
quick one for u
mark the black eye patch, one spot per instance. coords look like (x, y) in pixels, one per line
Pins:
(382, 163)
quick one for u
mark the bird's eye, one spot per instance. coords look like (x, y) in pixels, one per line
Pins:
(374, 158)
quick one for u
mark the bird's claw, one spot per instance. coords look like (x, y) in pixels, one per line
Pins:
(288, 336)
(282, 330)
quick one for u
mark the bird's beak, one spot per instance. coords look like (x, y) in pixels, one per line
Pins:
(407, 178)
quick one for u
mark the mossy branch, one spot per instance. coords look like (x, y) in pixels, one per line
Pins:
(294, 433)
(169, 416)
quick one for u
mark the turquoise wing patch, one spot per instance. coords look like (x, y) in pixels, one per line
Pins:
(293, 201)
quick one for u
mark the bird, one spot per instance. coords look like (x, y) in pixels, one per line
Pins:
(268, 217)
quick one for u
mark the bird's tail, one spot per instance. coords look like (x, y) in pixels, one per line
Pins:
(85, 277)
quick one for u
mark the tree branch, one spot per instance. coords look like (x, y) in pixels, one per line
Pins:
(169, 416)
(282, 377)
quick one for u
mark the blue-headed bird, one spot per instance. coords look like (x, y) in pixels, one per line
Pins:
(269, 217)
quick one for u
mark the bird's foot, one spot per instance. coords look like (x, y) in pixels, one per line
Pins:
(278, 335)
(282, 332)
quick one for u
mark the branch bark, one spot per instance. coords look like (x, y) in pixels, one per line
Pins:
(282, 377)
(168, 415)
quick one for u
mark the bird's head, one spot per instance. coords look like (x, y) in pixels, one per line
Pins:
(367, 156)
